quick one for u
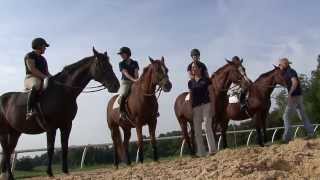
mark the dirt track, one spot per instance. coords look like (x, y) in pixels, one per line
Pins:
(297, 160)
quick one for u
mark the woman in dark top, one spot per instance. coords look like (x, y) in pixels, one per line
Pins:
(201, 109)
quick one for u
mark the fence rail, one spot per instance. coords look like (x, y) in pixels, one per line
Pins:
(234, 132)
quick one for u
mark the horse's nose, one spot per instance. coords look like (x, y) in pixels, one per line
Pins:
(167, 87)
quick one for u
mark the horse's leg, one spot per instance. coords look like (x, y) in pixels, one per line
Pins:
(224, 133)
(12, 143)
(264, 119)
(140, 142)
(152, 133)
(5, 155)
(258, 122)
(51, 136)
(192, 139)
(65, 133)
(127, 136)
(184, 128)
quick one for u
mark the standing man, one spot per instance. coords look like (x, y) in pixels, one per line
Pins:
(36, 72)
(295, 102)
(130, 74)
(195, 55)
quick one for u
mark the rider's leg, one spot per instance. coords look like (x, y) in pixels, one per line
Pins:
(34, 84)
(243, 103)
(124, 92)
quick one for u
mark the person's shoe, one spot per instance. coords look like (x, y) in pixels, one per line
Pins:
(243, 107)
(158, 114)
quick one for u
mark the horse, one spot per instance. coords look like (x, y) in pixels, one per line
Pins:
(232, 72)
(259, 102)
(58, 108)
(142, 108)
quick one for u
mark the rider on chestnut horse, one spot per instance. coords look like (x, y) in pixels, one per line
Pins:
(130, 74)
(36, 72)
(195, 55)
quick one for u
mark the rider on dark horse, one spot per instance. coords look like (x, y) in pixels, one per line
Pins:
(195, 55)
(130, 74)
(36, 72)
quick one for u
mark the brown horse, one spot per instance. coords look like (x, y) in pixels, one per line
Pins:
(232, 72)
(58, 107)
(259, 102)
(142, 108)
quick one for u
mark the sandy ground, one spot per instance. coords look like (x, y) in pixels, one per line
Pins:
(299, 159)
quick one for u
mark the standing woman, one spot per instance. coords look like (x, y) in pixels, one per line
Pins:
(201, 109)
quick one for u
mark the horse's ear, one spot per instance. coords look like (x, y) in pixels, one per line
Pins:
(95, 52)
(162, 59)
(275, 67)
(229, 62)
(151, 60)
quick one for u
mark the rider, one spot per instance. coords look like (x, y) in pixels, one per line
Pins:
(130, 74)
(36, 71)
(244, 90)
(195, 55)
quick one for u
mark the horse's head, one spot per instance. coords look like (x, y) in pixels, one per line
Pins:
(278, 76)
(101, 71)
(160, 74)
(237, 73)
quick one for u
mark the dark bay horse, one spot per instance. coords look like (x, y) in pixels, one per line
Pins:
(232, 72)
(259, 102)
(58, 105)
(142, 108)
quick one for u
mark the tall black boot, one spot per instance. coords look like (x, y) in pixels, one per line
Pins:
(122, 108)
(243, 103)
(31, 104)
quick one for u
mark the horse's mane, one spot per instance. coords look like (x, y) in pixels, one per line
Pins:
(219, 70)
(264, 75)
(76, 65)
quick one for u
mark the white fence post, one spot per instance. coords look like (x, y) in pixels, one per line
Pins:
(249, 137)
(83, 156)
(274, 135)
(219, 142)
(315, 129)
(137, 156)
(296, 132)
(182, 147)
(14, 160)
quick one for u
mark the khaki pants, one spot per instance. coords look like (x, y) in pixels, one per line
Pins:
(32, 82)
(203, 114)
(124, 90)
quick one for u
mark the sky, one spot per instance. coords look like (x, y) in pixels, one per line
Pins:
(258, 31)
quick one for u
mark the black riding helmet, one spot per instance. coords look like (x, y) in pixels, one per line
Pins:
(39, 42)
(195, 52)
(125, 50)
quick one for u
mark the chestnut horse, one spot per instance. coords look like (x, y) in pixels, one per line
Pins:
(232, 72)
(142, 109)
(58, 108)
(259, 102)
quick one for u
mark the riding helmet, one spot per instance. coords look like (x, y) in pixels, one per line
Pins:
(235, 58)
(195, 52)
(125, 50)
(39, 42)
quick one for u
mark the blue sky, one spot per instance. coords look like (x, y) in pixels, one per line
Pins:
(259, 31)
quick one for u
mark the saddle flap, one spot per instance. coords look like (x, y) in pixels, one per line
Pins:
(187, 97)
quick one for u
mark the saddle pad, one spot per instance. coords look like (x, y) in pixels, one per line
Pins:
(187, 97)
(116, 104)
(233, 99)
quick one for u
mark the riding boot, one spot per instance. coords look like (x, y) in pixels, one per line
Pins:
(31, 112)
(243, 103)
(122, 109)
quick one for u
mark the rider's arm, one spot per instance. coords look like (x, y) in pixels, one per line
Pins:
(294, 86)
(32, 67)
(125, 72)
(136, 73)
